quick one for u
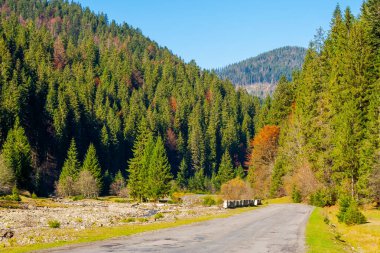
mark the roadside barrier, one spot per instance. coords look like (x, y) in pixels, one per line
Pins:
(241, 203)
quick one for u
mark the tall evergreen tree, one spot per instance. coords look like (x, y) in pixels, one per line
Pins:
(226, 170)
(17, 155)
(159, 174)
(71, 167)
(139, 164)
(91, 164)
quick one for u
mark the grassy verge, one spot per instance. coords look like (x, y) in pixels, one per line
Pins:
(103, 233)
(325, 234)
(320, 237)
(282, 200)
(364, 237)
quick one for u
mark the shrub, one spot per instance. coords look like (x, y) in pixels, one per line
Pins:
(208, 201)
(296, 195)
(78, 197)
(34, 196)
(65, 187)
(118, 185)
(130, 219)
(236, 189)
(15, 194)
(87, 185)
(142, 219)
(158, 216)
(344, 203)
(54, 224)
(349, 212)
(322, 197)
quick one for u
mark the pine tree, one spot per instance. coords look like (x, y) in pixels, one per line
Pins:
(226, 170)
(17, 155)
(139, 164)
(70, 172)
(91, 164)
(182, 175)
(159, 172)
(71, 167)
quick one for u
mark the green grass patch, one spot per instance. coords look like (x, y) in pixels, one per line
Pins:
(282, 200)
(128, 220)
(320, 237)
(158, 216)
(103, 233)
(54, 224)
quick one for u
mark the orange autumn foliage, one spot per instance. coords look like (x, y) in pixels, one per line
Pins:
(262, 159)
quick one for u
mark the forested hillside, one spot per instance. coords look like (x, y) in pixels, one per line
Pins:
(318, 138)
(99, 101)
(260, 74)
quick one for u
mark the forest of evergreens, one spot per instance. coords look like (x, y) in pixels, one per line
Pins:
(267, 67)
(81, 93)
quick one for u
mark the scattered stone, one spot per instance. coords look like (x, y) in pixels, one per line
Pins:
(6, 233)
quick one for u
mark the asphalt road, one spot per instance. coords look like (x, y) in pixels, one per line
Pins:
(276, 228)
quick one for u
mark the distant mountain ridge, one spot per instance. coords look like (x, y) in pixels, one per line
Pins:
(260, 74)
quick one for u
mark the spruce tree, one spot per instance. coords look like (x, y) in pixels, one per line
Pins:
(91, 164)
(17, 155)
(159, 172)
(70, 172)
(139, 164)
(226, 170)
(182, 174)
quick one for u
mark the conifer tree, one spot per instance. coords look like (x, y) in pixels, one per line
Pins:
(17, 155)
(91, 164)
(226, 170)
(182, 175)
(159, 172)
(139, 164)
(70, 172)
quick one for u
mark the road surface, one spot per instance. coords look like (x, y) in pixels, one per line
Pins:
(276, 228)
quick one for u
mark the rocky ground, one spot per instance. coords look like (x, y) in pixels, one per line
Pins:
(28, 223)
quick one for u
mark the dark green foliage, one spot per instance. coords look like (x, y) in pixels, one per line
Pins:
(17, 155)
(7, 178)
(226, 170)
(322, 198)
(139, 165)
(182, 174)
(91, 164)
(277, 178)
(239, 172)
(266, 68)
(296, 195)
(159, 174)
(68, 73)
(208, 201)
(349, 212)
(54, 224)
(15, 195)
(71, 167)
(70, 172)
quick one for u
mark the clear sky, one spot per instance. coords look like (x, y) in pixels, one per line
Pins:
(216, 33)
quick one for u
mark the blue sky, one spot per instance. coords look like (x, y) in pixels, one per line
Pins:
(216, 33)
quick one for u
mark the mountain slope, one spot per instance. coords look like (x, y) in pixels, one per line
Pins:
(261, 73)
(68, 74)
